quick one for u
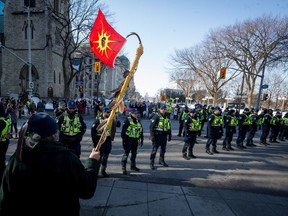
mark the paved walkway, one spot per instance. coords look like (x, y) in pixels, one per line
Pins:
(129, 198)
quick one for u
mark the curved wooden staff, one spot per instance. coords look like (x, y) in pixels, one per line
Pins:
(125, 85)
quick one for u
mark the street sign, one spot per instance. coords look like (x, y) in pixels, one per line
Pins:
(79, 83)
(264, 86)
(31, 85)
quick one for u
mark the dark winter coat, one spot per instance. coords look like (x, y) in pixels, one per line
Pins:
(49, 180)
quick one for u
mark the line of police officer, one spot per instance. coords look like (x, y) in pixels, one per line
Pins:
(192, 122)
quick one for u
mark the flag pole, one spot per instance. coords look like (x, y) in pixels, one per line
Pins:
(120, 97)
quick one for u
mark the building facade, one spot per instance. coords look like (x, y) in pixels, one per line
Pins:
(45, 78)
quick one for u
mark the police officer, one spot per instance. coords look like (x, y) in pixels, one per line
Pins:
(215, 130)
(284, 132)
(98, 109)
(243, 127)
(96, 132)
(192, 124)
(230, 124)
(5, 123)
(60, 110)
(266, 125)
(169, 111)
(160, 129)
(182, 117)
(253, 127)
(275, 127)
(132, 136)
(201, 115)
(72, 128)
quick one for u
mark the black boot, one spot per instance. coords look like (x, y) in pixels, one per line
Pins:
(103, 172)
(152, 164)
(124, 171)
(214, 150)
(162, 162)
(248, 143)
(133, 167)
(208, 151)
(191, 155)
(185, 156)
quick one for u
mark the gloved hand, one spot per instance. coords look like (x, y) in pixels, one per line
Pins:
(169, 138)
(153, 139)
(123, 141)
(141, 143)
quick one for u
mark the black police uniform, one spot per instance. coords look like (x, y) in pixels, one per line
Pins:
(106, 147)
(266, 125)
(160, 129)
(132, 136)
(215, 132)
(191, 126)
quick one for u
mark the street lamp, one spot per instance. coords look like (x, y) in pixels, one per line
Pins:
(27, 9)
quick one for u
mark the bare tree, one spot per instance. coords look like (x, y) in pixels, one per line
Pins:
(206, 61)
(74, 23)
(253, 45)
(275, 81)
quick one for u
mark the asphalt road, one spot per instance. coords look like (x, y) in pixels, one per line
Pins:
(262, 169)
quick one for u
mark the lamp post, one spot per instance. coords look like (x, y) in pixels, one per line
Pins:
(30, 84)
(260, 88)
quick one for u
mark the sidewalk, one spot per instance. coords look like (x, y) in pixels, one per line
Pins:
(119, 197)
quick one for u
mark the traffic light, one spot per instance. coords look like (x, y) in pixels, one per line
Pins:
(265, 97)
(97, 67)
(222, 73)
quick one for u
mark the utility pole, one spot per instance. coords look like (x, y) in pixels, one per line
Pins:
(92, 77)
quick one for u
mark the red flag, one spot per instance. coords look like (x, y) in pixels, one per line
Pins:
(105, 42)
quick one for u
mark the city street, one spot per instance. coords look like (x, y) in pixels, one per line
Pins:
(261, 169)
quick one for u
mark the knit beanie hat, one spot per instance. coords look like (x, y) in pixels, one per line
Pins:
(42, 124)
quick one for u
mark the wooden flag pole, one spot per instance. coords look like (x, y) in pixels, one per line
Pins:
(120, 97)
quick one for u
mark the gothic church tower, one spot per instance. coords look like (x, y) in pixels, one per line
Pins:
(46, 51)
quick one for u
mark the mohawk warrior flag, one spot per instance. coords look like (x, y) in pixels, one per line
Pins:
(105, 42)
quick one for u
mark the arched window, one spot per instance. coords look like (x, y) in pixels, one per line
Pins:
(54, 77)
(59, 78)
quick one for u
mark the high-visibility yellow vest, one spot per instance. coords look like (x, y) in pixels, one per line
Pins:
(134, 129)
(5, 129)
(163, 124)
(71, 127)
(217, 121)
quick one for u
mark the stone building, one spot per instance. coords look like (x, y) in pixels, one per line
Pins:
(46, 56)
(46, 77)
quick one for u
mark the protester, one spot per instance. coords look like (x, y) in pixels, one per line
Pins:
(43, 177)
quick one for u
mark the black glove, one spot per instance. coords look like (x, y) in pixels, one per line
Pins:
(169, 138)
(141, 143)
(153, 139)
